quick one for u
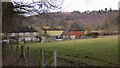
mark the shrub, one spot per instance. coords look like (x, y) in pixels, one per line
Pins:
(93, 34)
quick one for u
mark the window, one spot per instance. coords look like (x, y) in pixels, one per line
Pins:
(34, 38)
(20, 34)
(82, 31)
(72, 36)
(27, 39)
(27, 34)
(20, 39)
(58, 37)
(13, 34)
(35, 33)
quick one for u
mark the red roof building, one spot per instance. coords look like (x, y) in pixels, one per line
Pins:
(74, 30)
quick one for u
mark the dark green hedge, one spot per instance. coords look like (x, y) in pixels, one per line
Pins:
(93, 34)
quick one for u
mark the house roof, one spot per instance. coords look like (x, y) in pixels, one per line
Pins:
(76, 27)
(54, 33)
(48, 28)
(54, 29)
(73, 26)
(24, 29)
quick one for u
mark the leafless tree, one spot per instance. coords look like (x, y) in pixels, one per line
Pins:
(36, 6)
(22, 7)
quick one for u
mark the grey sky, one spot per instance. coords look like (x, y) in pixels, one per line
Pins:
(83, 5)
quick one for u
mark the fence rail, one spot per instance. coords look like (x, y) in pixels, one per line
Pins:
(23, 56)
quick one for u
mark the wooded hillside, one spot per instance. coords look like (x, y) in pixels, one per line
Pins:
(90, 20)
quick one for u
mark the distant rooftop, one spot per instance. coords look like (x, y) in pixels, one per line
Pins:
(76, 27)
(24, 29)
(53, 28)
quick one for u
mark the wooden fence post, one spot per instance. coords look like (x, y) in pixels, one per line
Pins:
(28, 56)
(16, 51)
(22, 54)
(16, 54)
(4, 54)
(4, 49)
(43, 58)
(11, 52)
(11, 49)
(22, 49)
(8, 53)
(24, 57)
(55, 58)
(8, 49)
(40, 58)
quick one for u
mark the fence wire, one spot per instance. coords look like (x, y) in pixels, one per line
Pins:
(24, 56)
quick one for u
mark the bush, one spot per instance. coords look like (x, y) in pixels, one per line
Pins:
(93, 34)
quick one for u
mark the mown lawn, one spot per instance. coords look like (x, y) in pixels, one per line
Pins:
(96, 52)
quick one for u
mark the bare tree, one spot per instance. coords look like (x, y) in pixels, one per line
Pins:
(20, 7)
(37, 6)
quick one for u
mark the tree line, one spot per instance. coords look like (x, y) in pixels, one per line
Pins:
(13, 17)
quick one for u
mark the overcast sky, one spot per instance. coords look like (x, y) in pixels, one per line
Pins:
(83, 5)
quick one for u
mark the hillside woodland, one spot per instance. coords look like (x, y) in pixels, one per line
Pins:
(92, 21)
(106, 20)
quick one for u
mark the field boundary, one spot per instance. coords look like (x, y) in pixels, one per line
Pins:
(20, 56)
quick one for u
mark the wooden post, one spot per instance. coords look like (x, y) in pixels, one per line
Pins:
(40, 58)
(55, 58)
(8, 53)
(16, 54)
(8, 49)
(43, 59)
(28, 56)
(11, 53)
(11, 49)
(22, 50)
(23, 54)
(4, 50)
(4, 47)
(16, 51)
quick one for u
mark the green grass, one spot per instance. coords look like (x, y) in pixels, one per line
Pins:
(99, 51)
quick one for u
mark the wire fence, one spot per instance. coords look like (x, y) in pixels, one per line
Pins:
(24, 56)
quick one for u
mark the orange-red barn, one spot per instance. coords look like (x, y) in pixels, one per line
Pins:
(74, 30)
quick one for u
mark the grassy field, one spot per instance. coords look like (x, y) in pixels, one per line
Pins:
(95, 52)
